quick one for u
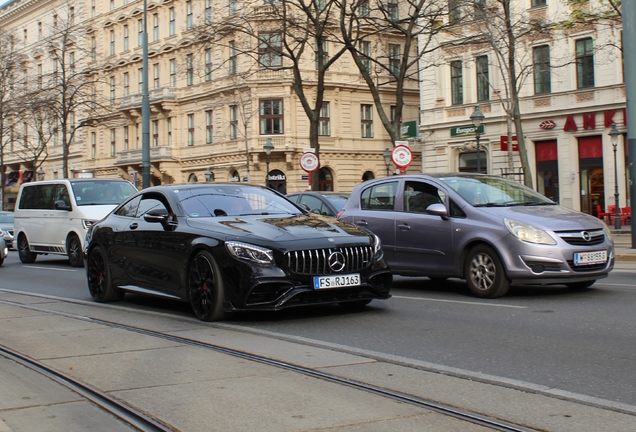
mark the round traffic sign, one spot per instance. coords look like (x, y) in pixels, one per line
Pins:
(401, 156)
(309, 161)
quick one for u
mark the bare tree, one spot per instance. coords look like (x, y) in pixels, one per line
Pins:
(39, 130)
(387, 40)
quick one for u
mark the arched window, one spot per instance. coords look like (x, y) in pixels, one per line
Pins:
(192, 178)
(368, 175)
(325, 182)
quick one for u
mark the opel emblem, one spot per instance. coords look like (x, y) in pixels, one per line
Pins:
(336, 261)
(586, 235)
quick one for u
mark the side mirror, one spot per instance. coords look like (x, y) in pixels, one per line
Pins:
(160, 216)
(61, 205)
(437, 210)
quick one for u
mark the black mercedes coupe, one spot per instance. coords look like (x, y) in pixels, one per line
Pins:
(231, 247)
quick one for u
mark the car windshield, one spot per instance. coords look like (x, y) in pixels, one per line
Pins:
(6, 218)
(101, 192)
(338, 201)
(236, 201)
(494, 191)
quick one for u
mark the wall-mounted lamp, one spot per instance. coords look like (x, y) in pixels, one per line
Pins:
(209, 175)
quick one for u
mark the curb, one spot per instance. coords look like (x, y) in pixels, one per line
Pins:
(625, 257)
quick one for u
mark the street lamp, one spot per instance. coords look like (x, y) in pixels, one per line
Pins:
(40, 174)
(268, 147)
(387, 160)
(477, 117)
(614, 134)
(209, 175)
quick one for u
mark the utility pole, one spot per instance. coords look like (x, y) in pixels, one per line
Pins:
(629, 45)
(145, 107)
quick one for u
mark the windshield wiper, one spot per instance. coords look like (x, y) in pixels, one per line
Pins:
(542, 203)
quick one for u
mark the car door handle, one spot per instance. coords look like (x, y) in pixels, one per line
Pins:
(133, 226)
(404, 226)
(361, 223)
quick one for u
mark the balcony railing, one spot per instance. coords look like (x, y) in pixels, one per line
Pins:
(154, 95)
(134, 155)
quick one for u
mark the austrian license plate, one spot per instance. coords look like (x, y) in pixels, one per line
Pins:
(340, 281)
(586, 258)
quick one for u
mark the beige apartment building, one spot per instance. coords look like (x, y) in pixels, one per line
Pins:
(209, 118)
(572, 94)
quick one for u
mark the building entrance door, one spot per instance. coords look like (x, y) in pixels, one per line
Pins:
(592, 182)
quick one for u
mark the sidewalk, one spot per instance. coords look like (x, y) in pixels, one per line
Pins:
(194, 389)
(623, 245)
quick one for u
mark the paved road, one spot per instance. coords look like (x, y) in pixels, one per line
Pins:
(576, 341)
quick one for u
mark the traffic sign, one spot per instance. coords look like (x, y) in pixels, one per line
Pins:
(309, 162)
(402, 156)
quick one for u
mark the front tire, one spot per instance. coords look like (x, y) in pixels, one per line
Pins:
(485, 273)
(206, 291)
(74, 251)
(24, 251)
(100, 282)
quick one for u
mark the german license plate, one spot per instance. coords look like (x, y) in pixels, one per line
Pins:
(586, 258)
(340, 281)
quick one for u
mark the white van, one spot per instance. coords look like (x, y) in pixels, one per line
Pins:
(52, 216)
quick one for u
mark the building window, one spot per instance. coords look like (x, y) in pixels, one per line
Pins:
(71, 62)
(189, 69)
(454, 11)
(394, 59)
(55, 21)
(233, 121)
(232, 65)
(112, 143)
(542, 79)
(126, 36)
(155, 27)
(39, 30)
(112, 42)
(126, 84)
(232, 7)
(208, 64)
(93, 9)
(189, 16)
(483, 79)
(173, 73)
(71, 16)
(112, 4)
(112, 90)
(321, 53)
(172, 24)
(585, 63)
(324, 126)
(393, 113)
(479, 9)
(190, 129)
(93, 48)
(457, 83)
(209, 128)
(140, 73)
(140, 32)
(169, 127)
(155, 133)
(394, 11)
(536, 3)
(155, 71)
(208, 11)
(93, 145)
(271, 116)
(363, 9)
(366, 117)
(269, 49)
(126, 137)
(365, 51)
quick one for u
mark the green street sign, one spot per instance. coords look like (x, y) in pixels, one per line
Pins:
(408, 129)
(466, 130)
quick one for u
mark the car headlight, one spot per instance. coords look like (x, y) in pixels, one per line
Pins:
(528, 233)
(377, 248)
(248, 252)
(86, 223)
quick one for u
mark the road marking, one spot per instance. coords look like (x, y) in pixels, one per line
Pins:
(48, 268)
(462, 302)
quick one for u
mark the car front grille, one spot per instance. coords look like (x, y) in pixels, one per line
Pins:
(583, 237)
(316, 261)
(586, 268)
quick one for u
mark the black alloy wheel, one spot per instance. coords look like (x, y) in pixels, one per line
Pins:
(24, 251)
(100, 283)
(205, 288)
(485, 273)
(74, 250)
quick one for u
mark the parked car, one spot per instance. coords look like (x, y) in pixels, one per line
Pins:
(52, 216)
(231, 247)
(324, 203)
(489, 230)
(6, 226)
(3, 250)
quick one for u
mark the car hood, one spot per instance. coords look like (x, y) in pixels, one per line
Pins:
(548, 217)
(289, 231)
(95, 212)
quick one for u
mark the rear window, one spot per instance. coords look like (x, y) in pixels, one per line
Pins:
(100, 192)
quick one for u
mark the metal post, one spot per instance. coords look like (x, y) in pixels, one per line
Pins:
(477, 135)
(629, 44)
(145, 106)
(477, 117)
(617, 218)
(268, 147)
(387, 160)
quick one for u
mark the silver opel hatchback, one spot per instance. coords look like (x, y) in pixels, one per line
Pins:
(488, 230)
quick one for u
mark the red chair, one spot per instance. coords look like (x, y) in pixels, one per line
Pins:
(611, 211)
(602, 215)
(626, 215)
